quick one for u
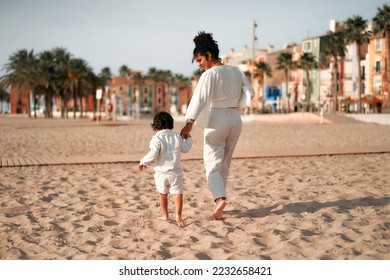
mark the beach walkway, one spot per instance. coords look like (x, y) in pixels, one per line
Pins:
(74, 160)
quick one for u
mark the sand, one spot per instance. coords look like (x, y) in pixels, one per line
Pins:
(280, 208)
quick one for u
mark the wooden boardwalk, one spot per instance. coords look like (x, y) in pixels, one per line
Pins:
(59, 160)
(75, 160)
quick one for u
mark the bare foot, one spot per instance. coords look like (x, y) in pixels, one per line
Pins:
(163, 218)
(219, 209)
(180, 222)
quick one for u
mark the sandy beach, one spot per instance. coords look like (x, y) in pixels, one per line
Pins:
(280, 207)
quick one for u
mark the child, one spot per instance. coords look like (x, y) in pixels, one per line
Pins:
(166, 147)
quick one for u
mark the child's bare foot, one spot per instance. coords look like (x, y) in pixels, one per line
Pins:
(219, 209)
(180, 221)
(163, 218)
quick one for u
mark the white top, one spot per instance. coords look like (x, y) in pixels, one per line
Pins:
(166, 147)
(218, 87)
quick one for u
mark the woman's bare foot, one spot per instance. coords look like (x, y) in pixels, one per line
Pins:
(221, 203)
(180, 221)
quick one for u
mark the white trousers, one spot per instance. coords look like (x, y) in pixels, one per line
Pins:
(221, 135)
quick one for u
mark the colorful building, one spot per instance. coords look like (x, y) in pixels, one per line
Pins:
(131, 96)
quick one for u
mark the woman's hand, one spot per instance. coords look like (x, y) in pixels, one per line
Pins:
(185, 132)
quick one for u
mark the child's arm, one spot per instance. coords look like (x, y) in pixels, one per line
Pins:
(186, 144)
(154, 147)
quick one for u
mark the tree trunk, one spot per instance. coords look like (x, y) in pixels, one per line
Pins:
(94, 107)
(62, 107)
(81, 106)
(66, 98)
(74, 103)
(47, 106)
(29, 103)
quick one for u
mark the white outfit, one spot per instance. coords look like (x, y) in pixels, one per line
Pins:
(166, 147)
(220, 92)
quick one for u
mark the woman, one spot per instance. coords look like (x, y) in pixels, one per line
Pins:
(220, 93)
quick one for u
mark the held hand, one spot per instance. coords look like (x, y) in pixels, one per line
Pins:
(185, 132)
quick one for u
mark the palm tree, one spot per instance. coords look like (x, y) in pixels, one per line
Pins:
(263, 69)
(382, 26)
(334, 47)
(154, 74)
(181, 79)
(356, 32)
(124, 71)
(307, 62)
(46, 80)
(21, 70)
(285, 63)
(103, 78)
(62, 58)
(166, 77)
(91, 81)
(197, 73)
(78, 70)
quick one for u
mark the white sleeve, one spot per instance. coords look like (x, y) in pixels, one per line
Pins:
(200, 100)
(186, 145)
(154, 147)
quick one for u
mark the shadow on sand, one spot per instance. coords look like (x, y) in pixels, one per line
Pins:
(312, 206)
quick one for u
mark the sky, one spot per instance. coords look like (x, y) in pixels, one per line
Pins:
(159, 33)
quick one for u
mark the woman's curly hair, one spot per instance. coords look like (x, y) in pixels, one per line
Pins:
(162, 120)
(204, 43)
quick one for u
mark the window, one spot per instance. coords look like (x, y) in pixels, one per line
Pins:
(307, 46)
(378, 45)
(378, 67)
(159, 98)
(145, 96)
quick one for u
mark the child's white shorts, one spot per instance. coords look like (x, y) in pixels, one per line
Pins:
(167, 183)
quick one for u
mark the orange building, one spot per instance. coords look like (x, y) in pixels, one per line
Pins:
(19, 100)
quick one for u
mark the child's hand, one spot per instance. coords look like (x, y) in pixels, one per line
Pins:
(141, 167)
(186, 136)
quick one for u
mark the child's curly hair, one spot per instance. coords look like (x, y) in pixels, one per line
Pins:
(204, 43)
(162, 120)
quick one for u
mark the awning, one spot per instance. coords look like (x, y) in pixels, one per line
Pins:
(368, 99)
(372, 99)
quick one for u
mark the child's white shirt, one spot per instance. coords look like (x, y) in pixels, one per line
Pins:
(166, 147)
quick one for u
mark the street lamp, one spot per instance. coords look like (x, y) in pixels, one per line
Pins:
(254, 38)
